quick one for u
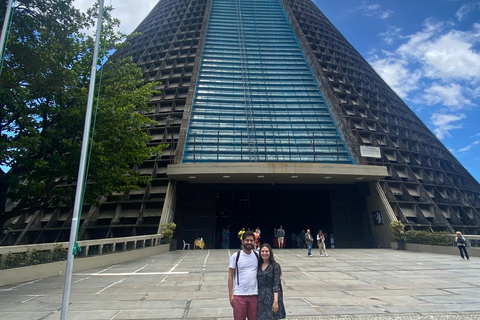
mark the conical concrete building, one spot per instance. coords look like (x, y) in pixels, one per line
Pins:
(273, 118)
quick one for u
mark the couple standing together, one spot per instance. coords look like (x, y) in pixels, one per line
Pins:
(254, 284)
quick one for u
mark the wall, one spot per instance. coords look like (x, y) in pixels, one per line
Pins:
(29, 273)
(377, 202)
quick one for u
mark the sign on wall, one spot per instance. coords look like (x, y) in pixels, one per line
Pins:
(370, 152)
(377, 218)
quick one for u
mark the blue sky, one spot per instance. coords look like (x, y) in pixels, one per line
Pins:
(428, 51)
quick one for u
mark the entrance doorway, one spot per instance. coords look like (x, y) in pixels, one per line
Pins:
(204, 210)
(270, 209)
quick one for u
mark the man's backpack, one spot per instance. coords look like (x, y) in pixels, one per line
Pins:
(236, 263)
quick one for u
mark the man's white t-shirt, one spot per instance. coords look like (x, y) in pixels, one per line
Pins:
(247, 270)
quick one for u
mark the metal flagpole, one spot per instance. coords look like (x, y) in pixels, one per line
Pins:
(81, 170)
(5, 26)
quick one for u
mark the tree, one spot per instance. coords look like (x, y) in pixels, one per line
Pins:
(43, 94)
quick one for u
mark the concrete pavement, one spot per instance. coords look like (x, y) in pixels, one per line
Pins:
(349, 284)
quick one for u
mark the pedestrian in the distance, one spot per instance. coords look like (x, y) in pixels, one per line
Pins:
(226, 236)
(281, 237)
(293, 240)
(302, 239)
(270, 294)
(321, 243)
(462, 245)
(309, 242)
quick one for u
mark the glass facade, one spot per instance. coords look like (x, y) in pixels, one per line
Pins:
(256, 100)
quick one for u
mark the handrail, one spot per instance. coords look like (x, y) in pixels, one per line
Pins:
(155, 238)
(468, 237)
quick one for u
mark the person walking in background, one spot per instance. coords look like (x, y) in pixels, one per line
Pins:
(280, 237)
(256, 233)
(240, 234)
(270, 293)
(321, 243)
(302, 239)
(309, 242)
(226, 236)
(242, 280)
(293, 240)
(462, 245)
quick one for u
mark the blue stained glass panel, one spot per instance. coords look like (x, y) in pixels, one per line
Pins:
(256, 99)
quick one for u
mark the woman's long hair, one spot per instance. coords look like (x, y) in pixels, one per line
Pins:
(271, 259)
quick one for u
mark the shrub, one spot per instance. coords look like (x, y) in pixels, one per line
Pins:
(425, 237)
(15, 260)
(59, 253)
(167, 230)
(39, 257)
(34, 257)
(397, 230)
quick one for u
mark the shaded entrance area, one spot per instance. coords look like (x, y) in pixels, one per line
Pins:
(295, 210)
(204, 210)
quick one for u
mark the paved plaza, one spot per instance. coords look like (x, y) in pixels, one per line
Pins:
(349, 284)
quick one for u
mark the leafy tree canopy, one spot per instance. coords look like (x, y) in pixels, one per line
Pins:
(43, 97)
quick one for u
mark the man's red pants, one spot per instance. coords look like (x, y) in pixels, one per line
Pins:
(245, 307)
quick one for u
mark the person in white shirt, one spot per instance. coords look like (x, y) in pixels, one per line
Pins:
(462, 245)
(242, 280)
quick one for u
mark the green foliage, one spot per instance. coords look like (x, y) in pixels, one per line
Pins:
(397, 228)
(59, 253)
(167, 230)
(425, 237)
(43, 97)
(34, 257)
(39, 257)
(15, 260)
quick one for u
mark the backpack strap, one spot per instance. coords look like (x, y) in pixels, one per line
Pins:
(236, 266)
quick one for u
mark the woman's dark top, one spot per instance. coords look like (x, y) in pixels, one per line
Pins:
(268, 283)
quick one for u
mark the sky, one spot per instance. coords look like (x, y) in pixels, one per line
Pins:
(428, 51)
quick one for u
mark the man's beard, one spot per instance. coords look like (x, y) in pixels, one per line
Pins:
(248, 246)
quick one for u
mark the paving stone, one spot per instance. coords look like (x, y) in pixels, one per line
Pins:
(368, 284)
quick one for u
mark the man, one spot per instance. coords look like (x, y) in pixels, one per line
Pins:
(226, 236)
(242, 271)
(309, 241)
(302, 239)
(280, 236)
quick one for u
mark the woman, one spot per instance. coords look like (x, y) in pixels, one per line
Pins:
(462, 245)
(321, 243)
(256, 233)
(270, 295)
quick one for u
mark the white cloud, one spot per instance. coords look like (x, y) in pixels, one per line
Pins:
(444, 55)
(391, 34)
(474, 143)
(450, 95)
(397, 75)
(437, 53)
(375, 10)
(466, 9)
(444, 123)
(129, 13)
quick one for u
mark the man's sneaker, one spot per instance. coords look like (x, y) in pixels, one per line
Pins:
(326, 255)
(321, 255)
(309, 255)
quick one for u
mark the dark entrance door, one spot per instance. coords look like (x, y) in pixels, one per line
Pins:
(204, 210)
(295, 210)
